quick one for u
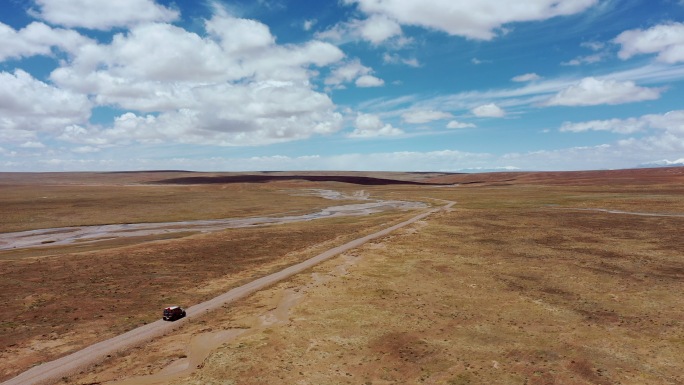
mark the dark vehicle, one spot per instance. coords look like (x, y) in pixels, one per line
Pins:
(173, 313)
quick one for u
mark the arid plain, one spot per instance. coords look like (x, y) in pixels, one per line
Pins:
(530, 278)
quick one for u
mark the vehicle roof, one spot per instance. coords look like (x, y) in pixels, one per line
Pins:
(172, 307)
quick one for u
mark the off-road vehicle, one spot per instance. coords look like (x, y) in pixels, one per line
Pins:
(173, 313)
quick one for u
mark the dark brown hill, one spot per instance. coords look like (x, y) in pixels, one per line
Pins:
(247, 178)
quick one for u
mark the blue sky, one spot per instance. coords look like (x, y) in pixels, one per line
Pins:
(393, 85)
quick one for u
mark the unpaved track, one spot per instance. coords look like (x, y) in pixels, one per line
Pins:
(53, 371)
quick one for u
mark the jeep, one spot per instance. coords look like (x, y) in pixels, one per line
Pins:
(173, 313)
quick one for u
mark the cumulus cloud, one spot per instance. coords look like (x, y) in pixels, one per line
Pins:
(424, 116)
(376, 29)
(589, 59)
(661, 136)
(490, 110)
(37, 39)
(388, 58)
(32, 145)
(86, 150)
(308, 24)
(369, 81)
(246, 91)
(620, 126)
(102, 15)
(353, 71)
(370, 125)
(29, 104)
(664, 163)
(667, 40)
(591, 91)
(526, 77)
(235, 115)
(671, 122)
(623, 154)
(481, 20)
(456, 124)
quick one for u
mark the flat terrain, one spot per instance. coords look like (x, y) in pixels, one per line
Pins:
(524, 281)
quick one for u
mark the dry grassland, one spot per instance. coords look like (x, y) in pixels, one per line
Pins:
(61, 299)
(31, 206)
(514, 285)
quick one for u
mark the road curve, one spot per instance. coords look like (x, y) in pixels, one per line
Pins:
(53, 371)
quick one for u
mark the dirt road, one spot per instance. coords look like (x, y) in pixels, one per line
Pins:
(51, 372)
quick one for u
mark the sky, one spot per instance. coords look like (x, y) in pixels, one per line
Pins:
(358, 85)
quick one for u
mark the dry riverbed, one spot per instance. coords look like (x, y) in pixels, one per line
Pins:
(106, 233)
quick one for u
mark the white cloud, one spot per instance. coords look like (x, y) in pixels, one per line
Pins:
(456, 124)
(592, 91)
(246, 91)
(589, 59)
(32, 144)
(369, 126)
(102, 15)
(526, 77)
(37, 39)
(664, 163)
(256, 113)
(353, 71)
(369, 81)
(593, 45)
(388, 58)
(481, 19)
(620, 126)
(671, 122)
(618, 155)
(14, 135)
(376, 29)
(253, 35)
(85, 150)
(523, 96)
(424, 116)
(347, 72)
(667, 40)
(600, 54)
(31, 105)
(308, 24)
(490, 110)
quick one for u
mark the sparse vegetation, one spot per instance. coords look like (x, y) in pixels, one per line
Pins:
(512, 286)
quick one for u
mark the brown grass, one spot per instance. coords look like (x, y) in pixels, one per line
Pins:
(27, 207)
(54, 305)
(483, 296)
(56, 300)
(507, 288)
